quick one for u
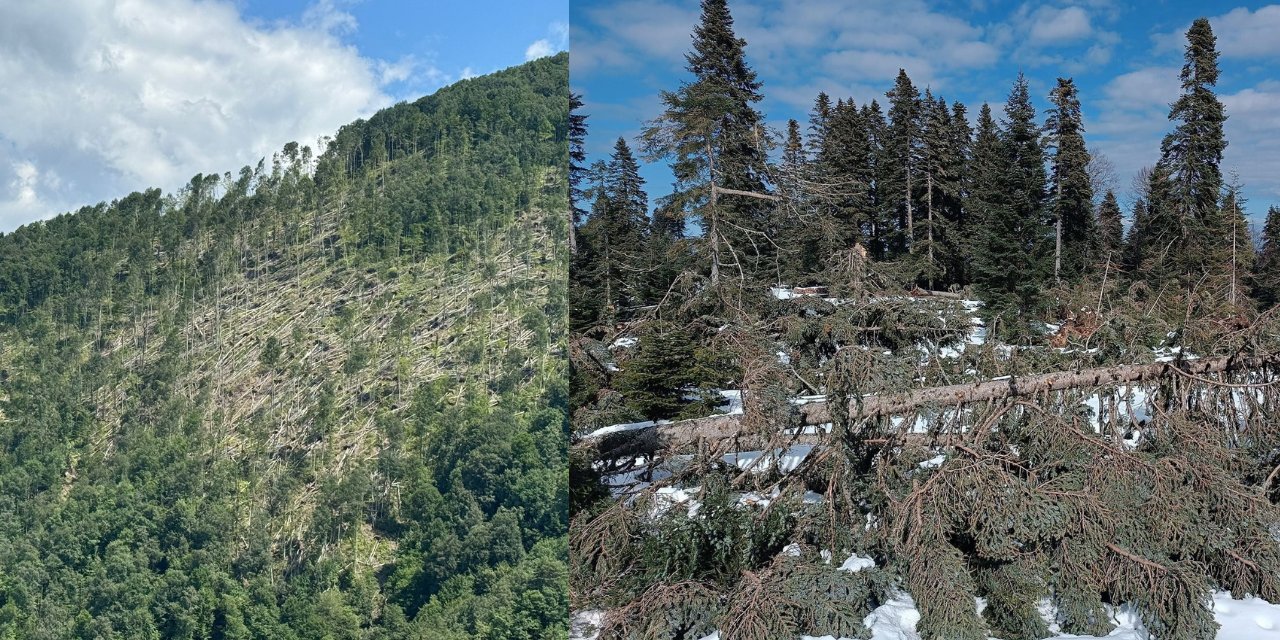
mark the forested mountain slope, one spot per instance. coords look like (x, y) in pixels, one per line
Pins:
(323, 398)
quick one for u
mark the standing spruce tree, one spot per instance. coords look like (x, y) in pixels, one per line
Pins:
(846, 162)
(941, 162)
(1110, 229)
(796, 257)
(1190, 156)
(1239, 252)
(985, 171)
(612, 262)
(1134, 243)
(958, 216)
(1009, 267)
(577, 172)
(901, 156)
(1074, 234)
(1266, 279)
(882, 228)
(714, 137)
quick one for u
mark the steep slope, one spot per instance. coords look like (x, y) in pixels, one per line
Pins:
(324, 398)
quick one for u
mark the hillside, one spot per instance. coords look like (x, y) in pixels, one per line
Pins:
(324, 397)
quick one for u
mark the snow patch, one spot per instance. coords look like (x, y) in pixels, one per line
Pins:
(856, 563)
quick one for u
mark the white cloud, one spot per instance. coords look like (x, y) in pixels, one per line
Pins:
(1145, 88)
(1241, 33)
(1053, 26)
(105, 98)
(557, 40)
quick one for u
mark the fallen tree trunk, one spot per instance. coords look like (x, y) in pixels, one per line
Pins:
(958, 394)
(683, 433)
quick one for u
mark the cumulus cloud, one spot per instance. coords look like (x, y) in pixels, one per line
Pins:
(1241, 33)
(105, 98)
(557, 40)
(619, 34)
(1051, 26)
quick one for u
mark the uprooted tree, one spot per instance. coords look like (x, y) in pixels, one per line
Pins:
(1015, 501)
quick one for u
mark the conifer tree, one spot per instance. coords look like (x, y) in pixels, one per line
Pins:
(985, 172)
(900, 157)
(942, 161)
(1134, 242)
(1190, 155)
(616, 235)
(577, 172)
(1110, 229)
(795, 164)
(791, 234)
(1266, 281)
(955, 201)
(819, 118)
(846, 162)
(1159, 231)
(660, 375)
(1074, 233)
(1009, 264)
(714, 137)
(1238, 251)
(882, 227)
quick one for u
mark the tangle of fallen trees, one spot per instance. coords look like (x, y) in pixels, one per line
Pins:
(1011, 490)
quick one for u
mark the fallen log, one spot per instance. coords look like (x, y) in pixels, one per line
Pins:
(1012, 387)
(683, 433)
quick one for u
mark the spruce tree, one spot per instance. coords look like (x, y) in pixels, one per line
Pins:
(1238, 253)
(985, 173)
(900, 158)
(1160, 232)
(846, 167)
(1074, 235)
(612, 261)
(1110, 229)
(577, 172)
(1266, 280)
(715, 137)
(657, 379)
(792, 257)
(819, 118)
(1134, 242)
(956, 212)
(1190, 155)
(624, 225)
(883, 225)
(1009, 266)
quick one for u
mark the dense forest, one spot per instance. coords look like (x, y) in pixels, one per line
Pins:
(323, 397)
(948, 354)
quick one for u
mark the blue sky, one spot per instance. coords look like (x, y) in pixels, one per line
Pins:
(105, 98)
(1124, 57)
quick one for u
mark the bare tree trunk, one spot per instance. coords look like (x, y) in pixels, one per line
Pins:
(911, 234)
(1057, 243)
(573, 233)
(1234, 217)
(715, 215)
(929, 199)
(687, 432)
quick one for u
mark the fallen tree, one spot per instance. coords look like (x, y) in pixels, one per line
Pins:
(684, 433)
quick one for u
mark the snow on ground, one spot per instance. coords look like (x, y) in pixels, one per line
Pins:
(629, 426)
(1247, 619)
(585, 625)
(786, 459)
(734, 399)
(783, 293)
(856, 563)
